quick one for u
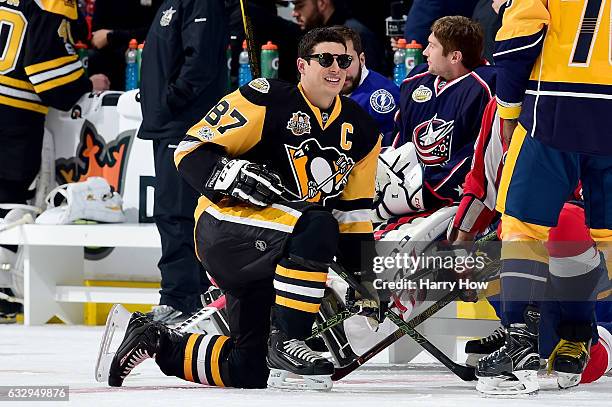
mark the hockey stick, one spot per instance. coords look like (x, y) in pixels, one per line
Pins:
(465, 373)
(250, 39)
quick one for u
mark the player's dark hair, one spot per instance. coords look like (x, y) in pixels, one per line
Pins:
(317, 36)
(350, 35)
(458, 33)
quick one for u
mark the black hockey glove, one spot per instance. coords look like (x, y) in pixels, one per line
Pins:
(246, 181)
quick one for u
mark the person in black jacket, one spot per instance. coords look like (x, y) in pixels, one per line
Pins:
(114, 24)
(184, 72)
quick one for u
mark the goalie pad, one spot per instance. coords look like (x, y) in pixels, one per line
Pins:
(92, 199)
(399, 183)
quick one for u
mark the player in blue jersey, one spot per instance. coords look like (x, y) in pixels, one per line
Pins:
(376, 94)
(441, 106)
(554, 76)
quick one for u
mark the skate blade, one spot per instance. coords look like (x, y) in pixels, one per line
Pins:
(117, 320)
(526, 384)
(282, 379)
(568, 380)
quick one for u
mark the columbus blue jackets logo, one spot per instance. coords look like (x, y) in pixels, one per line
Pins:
(382, 101)
(319, 172)
(299, 124)
(432, 140)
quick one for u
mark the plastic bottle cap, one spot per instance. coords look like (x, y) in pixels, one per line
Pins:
(414, 44)
(133, 43)
(80, 45)
(269, 46)
(401, 43)
(244, 44)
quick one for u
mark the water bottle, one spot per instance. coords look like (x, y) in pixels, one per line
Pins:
(131, 66)
(269, 60)
(139, 60)
(83, 54)
(244, 69)
(399, 62)
(414, 55)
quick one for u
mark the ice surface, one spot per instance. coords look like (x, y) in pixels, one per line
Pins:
(65, 355)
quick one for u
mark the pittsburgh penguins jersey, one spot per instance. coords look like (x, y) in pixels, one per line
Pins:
(38, 65)
(442, 119)
(326, 157)
(554, 60)
(379, 97)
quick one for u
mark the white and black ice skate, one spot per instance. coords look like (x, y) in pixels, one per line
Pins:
(479, 348)
(513, 369)
(293, 365)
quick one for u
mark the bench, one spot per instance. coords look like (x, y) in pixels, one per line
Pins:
(54, 265)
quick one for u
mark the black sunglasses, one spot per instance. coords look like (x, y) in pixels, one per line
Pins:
(325, 59)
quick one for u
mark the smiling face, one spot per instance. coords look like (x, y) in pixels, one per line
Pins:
(322, 83)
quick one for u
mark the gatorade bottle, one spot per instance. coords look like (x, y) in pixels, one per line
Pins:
(139, 60)
(244, 69)
(414, 55)
(83, 54)
(131, 66)
(269, 60)
(399, 62)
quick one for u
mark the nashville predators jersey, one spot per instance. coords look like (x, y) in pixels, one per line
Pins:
(326, 157)
(554, 61)
(38, 65)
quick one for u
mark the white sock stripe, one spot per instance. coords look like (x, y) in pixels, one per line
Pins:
(297, 289)
(201, 363)
(522, 275)
(575, 265)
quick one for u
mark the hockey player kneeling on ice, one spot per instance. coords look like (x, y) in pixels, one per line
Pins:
(287, 175)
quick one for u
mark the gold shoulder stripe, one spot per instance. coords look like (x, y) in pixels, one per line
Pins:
(51, 64)
(66, 8)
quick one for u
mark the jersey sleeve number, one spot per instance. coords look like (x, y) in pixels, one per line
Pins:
(12, 31)
(216, 114)
(585, 38)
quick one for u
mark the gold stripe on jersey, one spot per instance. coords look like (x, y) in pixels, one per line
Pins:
(45, 86)
(16, 83)
(528, 17)
(65, 8)
(223, 128)
(317, 112)
(356, 227)
(48, 65)
(320, 277)
(363, 176)
(356, 221)
(518, 137)
(188, 360)
(20, 104)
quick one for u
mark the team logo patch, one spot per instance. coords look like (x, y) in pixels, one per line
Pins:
(261, 245)
(166, 17)
(432, 140)
(319, 172)
(260, 85)
(299, 124)
(422, 94)
(206, 133)
(382, 101)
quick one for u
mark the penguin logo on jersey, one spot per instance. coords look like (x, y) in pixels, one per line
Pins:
(319, 172)
(299, 124)
(382, 101)
(432, 140)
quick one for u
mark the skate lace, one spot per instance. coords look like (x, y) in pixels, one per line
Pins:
(299, 349)
(496, 335)
(134, 360)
